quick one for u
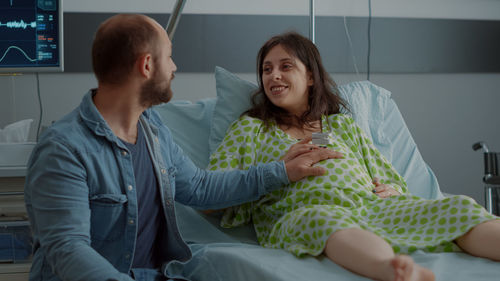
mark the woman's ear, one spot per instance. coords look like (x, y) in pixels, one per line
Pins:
(310, 79)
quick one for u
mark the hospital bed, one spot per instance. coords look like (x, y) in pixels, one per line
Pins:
(234, 254)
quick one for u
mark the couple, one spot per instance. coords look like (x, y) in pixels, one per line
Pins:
(102, 180)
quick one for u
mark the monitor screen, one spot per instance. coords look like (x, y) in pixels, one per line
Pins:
(31, 37)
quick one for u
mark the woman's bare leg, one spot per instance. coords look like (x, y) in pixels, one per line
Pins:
(367, 254)
(483, 240)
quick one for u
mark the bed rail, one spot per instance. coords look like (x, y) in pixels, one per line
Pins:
(174, 18)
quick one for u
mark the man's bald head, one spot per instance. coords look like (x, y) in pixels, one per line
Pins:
(119, 42)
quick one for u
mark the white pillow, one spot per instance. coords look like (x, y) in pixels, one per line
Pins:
(189, 123)
(233, 98)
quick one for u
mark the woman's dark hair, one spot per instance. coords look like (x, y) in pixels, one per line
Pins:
(324, 96)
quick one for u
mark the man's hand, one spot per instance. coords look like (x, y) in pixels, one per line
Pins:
(301, 157)
(383, 190)
(299, 148)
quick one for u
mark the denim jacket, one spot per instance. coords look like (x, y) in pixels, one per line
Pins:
(82, 203)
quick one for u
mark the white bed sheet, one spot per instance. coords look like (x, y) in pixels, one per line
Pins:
(234, 255)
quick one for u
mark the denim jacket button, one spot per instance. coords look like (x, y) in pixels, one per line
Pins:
(124, 153)
(131, 221)
(130, 187)
(163, 171)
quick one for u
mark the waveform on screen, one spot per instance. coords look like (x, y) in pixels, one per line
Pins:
(18, 24)
(20, 50)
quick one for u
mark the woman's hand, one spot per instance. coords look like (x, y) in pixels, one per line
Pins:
(383, 190)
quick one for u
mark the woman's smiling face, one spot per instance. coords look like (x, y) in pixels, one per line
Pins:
(286, 81)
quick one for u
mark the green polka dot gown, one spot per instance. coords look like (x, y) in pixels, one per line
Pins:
(302, 215)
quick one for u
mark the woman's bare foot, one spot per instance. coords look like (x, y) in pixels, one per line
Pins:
(405, 269)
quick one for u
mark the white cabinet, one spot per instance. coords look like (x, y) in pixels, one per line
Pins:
(14, 272)
(15, 234)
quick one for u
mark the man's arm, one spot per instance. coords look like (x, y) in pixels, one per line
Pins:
(216, 189)
(57, 202)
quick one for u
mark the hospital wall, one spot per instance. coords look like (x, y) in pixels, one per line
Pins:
(445, 111)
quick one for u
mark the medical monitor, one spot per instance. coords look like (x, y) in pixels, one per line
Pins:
(31, 37)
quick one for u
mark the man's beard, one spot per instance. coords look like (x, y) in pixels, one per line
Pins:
(155, 91)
